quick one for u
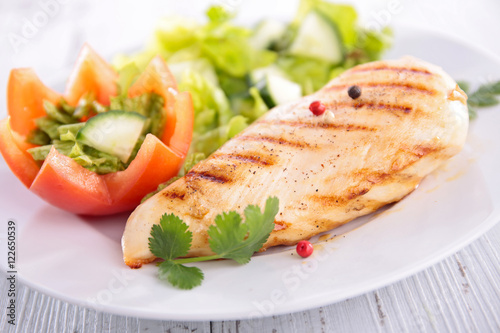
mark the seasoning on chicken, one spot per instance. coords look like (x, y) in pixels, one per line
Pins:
(358, 156)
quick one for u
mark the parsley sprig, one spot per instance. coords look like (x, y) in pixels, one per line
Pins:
(229, 238)
(485, 96)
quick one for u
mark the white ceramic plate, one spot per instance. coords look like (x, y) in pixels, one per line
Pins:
(79, 260)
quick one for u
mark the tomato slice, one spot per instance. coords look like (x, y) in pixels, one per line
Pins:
(178, 130)
(91, 74)
(171, 116)
(180, 140)
(14, 151)
(156, 78)
(66, 184)
(154, 164)
(25, 96)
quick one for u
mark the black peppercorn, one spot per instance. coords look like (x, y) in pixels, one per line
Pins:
(354, 92)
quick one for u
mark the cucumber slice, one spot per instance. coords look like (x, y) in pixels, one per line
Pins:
(113, 132)
(266, 33)
(260, 73)
(318, 38)
(276, 90)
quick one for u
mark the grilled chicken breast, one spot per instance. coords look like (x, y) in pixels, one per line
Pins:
(326, 170)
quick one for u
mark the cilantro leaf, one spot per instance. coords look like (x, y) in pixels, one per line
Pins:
(180, 276)
(492, 88)
(482, 99)
(464, 85)
(472, 113)
(170, 239)
(485, 96)
(231, 239)
(227, 234)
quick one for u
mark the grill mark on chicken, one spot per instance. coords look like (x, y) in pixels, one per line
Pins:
(420, 150)
(347, 127)
(279, 141)
(396, 69)
(353, 194)
(395, 85)
(415, 153)
(335, 200)
(371, 105)
(351, 174)
(254, 158)
(174, 195)
(407, 156)
(328, 200)
(376, 177)
(206, 175)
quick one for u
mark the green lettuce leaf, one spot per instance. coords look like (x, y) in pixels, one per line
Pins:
(174, 34)
(311, 74)
(210, 104)
(126, 76)
(370, 45)
(343, 16)
(215, 60)
(251, 106)
(148, 105)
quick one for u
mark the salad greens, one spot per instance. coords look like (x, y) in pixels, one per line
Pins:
(222, 64)
(62, 129)
(229, 238)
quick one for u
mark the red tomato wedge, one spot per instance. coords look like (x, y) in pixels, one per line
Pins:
(14, 151)
(180, 140)
(64, 183)
(157, 78)
(154, 164)
(25, 96)
(91, 74)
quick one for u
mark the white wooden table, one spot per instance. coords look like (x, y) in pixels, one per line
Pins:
(459, 294)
